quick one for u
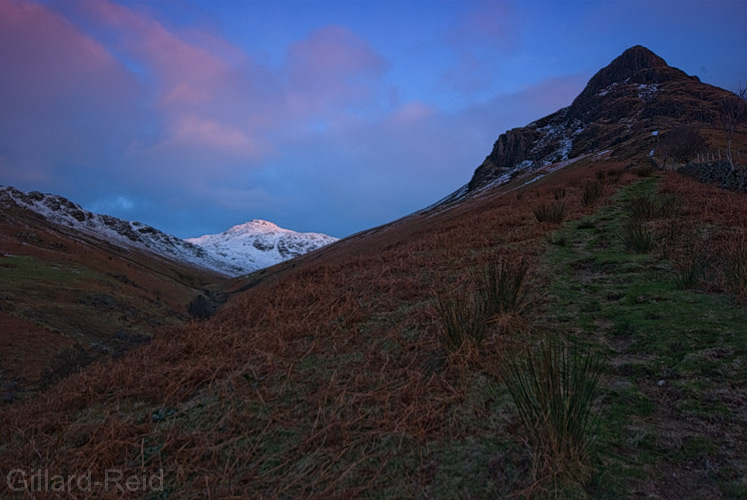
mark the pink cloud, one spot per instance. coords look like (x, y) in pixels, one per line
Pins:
(333, 67)
(333, 51)
(208, 94)
(210, 133)
(43, 53)
(187, 74)
(412, 113)
(64, 98)
(211, 93)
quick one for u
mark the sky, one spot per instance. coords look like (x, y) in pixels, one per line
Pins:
(330, 117)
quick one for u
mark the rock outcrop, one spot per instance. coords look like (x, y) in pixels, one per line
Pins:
(621, 109)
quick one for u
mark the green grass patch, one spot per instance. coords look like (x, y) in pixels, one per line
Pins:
(15, 270)
(669, 351)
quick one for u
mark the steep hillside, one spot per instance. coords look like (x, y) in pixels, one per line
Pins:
(77, 286)
(384, 366)
(68, 297)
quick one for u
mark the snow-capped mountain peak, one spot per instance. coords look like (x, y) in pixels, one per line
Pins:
(242, 249)
(255, 226)
(259, 243)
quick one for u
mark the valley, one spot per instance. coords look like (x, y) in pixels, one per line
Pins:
(390, 363)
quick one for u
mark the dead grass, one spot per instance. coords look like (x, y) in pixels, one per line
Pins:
(310, 384)
(716, 249)
(59, 287)
(324, 380)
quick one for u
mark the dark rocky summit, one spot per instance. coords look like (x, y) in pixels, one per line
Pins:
(621, 109)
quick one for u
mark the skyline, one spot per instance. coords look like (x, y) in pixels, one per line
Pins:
(329, 117)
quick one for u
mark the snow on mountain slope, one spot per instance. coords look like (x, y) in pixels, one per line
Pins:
(225, 253)
(258, 243)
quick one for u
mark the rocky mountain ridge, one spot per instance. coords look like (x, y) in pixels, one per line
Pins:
(621, 109)
(257, 244)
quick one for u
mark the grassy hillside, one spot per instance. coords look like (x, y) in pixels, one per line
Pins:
(334, 376)
(67, 299)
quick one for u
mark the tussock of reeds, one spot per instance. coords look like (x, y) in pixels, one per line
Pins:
(643, 208)
(644, 171)
(636, 237)
(501, 285)
(496, 291)
(554, 390)
(691, 257)
(593, 191)
(648, 207)
(553, 213)
(463, 319)
(558, 192)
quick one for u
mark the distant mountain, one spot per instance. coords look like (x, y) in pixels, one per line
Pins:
(257, 244)
(64, 212)
(240, 250)
(620, 113)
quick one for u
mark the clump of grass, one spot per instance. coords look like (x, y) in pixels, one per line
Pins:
(614, 175)
(648, 207)
(643, 208)
(550, 212)
(669, 205)
(462, 320)
(636, 237)
(672, 232)
(501, 286)
(558, 192)
(554, 390)
(593, 191)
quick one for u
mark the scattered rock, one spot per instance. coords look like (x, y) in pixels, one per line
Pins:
(622, 385)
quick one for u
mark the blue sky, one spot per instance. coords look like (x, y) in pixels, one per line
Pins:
(319, 116)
